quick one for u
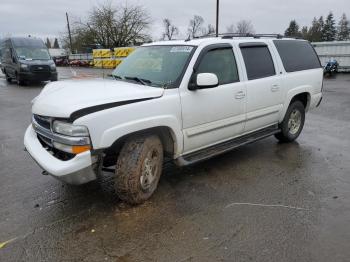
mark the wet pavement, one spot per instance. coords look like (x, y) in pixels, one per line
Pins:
(262, 202)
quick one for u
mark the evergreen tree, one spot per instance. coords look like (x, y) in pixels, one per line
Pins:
(55, 44)
(305, 33)
(343, 29)
(48, 44)
(315, 30)
(329, 31)
(292, 30)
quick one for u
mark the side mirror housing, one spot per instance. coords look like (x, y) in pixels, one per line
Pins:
(204, 80)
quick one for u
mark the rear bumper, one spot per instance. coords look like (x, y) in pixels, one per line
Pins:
(31, 76)
(79, 170)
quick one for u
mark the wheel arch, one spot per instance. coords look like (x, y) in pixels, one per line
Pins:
(165, 133)
(299, 94)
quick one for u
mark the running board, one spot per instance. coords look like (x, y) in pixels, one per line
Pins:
(226, 146)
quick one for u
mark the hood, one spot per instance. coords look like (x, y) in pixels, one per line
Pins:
(62, 98)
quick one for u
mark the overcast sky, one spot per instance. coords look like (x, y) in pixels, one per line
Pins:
(47, 18)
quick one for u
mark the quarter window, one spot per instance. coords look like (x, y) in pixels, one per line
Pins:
(297, 55)
(258, 61)
(222, 63)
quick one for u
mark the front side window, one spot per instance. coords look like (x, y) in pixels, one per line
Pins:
(159, 66)
(258, 62)
(222, 63)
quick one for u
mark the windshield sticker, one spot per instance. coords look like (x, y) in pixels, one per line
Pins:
(181, 49)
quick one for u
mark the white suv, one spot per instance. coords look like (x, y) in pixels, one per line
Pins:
(186, 100)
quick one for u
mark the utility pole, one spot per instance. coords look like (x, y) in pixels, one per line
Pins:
(217, 17)
(70, 36)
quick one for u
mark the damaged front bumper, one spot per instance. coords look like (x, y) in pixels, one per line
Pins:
(78, 170)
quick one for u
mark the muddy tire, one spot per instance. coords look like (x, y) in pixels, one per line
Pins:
(138, 169)
(293, 123)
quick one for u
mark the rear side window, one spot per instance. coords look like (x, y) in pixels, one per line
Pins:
(222, 63)
(297, 55)
(258, 61)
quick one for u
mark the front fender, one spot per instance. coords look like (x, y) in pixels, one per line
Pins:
(112, 134)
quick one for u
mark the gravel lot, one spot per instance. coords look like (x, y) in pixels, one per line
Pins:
(262, 202)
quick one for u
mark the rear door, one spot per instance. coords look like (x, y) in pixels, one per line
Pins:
(211, 115)
(264, 90)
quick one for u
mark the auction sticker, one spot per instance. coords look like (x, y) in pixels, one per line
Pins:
(181, 49)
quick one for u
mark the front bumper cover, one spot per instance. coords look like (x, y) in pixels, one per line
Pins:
(78, 170)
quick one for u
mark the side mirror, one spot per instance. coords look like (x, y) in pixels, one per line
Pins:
(205, 80)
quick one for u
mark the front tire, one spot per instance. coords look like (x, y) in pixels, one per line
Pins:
(139, 167)
(293, 123)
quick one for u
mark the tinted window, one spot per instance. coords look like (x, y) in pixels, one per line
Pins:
(297, 55)
(258, 62)
(222, 63)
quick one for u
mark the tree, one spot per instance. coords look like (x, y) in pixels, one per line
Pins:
(210, 29)
(304, 33)
(170, 30)
(344, 30)
(329, 31)
(292, 30)
(245, 27)
(55, 44)
(48, 43)
(110, 26)
(231, 29)
(315, 30)
(195, 27)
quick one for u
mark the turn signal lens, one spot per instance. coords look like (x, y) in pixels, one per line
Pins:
(80, 149)
(71, 149)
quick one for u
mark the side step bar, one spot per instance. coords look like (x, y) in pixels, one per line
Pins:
(226, 146)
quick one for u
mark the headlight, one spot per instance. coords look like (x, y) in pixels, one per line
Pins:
(69, 129)
(53, 67)
(24, 66)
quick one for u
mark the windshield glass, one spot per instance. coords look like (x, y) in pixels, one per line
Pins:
(30, 49)
(155, 65)
(32, 53)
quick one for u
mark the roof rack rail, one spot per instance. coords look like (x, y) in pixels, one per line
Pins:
(233, 35)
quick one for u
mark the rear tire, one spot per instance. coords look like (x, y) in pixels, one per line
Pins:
(293, 123)
(139, 167)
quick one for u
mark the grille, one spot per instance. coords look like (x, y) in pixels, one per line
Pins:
(40, 68)
(43, 121)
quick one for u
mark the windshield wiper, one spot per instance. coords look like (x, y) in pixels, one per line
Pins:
(139, 80)
(116, 76)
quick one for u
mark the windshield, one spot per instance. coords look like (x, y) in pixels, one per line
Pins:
(155, 65)
(32, 53)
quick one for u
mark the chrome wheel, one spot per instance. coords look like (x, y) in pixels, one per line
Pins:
(150, 169)
(294, 122)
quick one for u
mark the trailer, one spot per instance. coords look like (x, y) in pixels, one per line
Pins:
(338, 50)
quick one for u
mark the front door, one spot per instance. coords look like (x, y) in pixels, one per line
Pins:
(212, 115)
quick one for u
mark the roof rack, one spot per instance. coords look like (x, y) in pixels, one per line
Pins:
(233, 35)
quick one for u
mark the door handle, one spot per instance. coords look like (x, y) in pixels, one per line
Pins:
(275, 88)
(240, 95)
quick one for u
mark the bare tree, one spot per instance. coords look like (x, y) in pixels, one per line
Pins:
(111, 26)
(245, 27)
(210, 29)
(231, 29)
(170, 30)
(196, 26)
